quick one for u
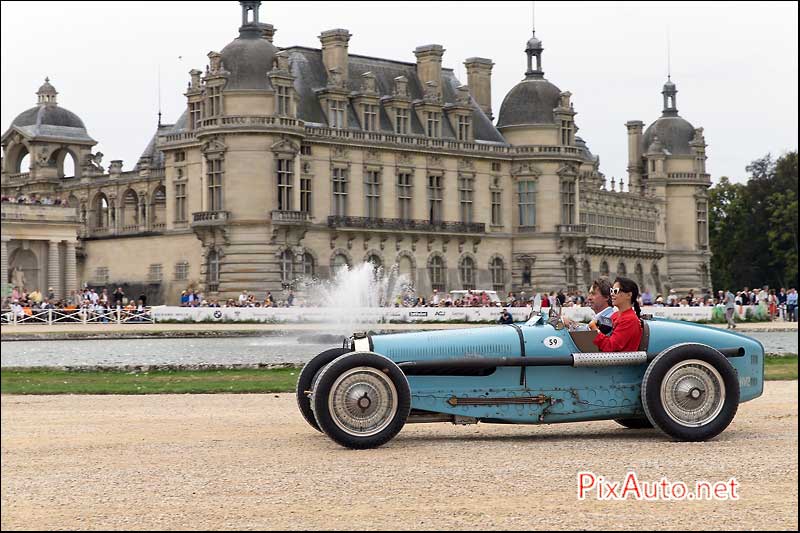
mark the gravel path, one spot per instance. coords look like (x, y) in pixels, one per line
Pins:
(251, 462)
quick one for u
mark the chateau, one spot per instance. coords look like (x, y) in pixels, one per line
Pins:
(292, 161)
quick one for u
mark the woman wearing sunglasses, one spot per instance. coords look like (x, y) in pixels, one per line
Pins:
(627, 327)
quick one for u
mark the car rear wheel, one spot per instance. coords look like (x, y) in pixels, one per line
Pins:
(305, 382)
(361, 400)
(690, 392)
(634, 423)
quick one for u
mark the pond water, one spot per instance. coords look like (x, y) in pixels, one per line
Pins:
(220, 351)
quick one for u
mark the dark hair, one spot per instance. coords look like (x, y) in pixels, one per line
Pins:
(604, 286)
(628, 285)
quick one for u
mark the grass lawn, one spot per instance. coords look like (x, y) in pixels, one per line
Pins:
(49, 381)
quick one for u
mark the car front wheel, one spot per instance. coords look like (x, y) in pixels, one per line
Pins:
(361, 400)
(690, 392)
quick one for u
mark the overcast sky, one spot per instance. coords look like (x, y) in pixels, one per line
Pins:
(734, 63)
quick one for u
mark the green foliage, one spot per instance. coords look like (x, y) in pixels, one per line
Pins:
(753, 226)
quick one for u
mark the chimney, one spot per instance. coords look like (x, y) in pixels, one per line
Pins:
(429, 64)
(268, 31)
(334, 50)
(635, 169)
(479, 79)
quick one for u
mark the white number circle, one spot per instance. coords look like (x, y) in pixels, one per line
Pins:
(553, 342)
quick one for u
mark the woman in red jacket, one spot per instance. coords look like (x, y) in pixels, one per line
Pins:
(627, 327)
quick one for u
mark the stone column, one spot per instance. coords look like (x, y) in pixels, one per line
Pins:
(54, 269)
(4, 266)
(71, 270)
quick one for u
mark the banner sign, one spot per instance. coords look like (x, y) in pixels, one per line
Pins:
(394, 314)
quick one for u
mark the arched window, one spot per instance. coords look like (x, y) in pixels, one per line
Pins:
(339, 262)
(656, 275)
(604, 272)
(375, 261)
(467, 270)
(498, 271)
(622, 270)
(212, 270)
(638, 276)
(436, 273)
(159, 212)
(100, 211)
(308, 265)
(587, 273)
(572, 274)
(130, 211)
(405, 266)
(25, 163)
(287, 271)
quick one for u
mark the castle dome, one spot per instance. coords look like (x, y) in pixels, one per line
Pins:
(530, 102)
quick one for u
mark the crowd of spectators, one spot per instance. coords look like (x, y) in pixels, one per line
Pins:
(77, 306)
(100, 306)
(33, 199)
(194, 298)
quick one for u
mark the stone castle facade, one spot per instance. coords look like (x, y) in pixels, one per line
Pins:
(289, 162)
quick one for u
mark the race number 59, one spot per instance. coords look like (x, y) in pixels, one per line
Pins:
(553, 342)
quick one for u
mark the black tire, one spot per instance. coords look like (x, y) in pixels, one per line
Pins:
(379, 372)
(306, 380)
(677, 358)
(634, 423)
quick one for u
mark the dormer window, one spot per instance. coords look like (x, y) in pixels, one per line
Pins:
(401, 121)
(464, 128)
(370, 117)
(284, 102)
(434, 121)
(214, 102)
(566, 132)
(336, 116)
(195, 115)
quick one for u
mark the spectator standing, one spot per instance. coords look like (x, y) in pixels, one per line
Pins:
(118, 297)
(672, 299)
(791, 305)
(730, 309)
(782, 303)
(647, 298)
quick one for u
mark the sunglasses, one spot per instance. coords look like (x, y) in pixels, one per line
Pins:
(615, 291)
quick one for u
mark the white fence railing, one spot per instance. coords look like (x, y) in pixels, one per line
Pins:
(378, 315)
(76, 316)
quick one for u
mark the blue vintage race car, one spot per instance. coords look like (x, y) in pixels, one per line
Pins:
(686, 380)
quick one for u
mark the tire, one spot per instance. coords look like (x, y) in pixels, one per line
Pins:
(386, 400)
(306, 381)
(634, 423)
(690, 392)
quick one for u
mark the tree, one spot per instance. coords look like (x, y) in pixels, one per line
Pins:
(753, 226)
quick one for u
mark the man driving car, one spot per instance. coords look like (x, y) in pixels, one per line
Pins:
(599, 300)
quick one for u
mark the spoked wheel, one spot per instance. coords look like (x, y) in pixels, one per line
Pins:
(690, 392)
(634, 423)
(361, 400)
(306, 380)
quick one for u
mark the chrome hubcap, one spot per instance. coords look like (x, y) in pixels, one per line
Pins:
(363, 401)
(693, 393)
